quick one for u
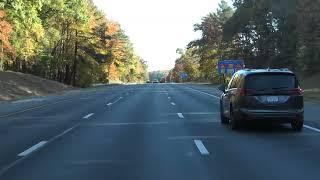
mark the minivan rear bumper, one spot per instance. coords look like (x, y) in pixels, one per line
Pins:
(271, 115)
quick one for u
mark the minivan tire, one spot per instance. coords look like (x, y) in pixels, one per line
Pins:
(297, 125)
(223, 119)
(234, 122)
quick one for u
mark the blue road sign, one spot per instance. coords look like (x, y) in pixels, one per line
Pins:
(230, 66)
(183, 75)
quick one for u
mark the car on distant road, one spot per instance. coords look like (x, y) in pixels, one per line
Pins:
(163, 80)
(262, 95)
(155, 81)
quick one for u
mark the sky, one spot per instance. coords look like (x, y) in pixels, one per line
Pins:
(158, 27)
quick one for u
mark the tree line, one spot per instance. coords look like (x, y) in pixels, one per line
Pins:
(69, 41)
(158, 75)
(264, 33)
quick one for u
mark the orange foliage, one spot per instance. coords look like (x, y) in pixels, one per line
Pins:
(115, 44)
(5, 31)
(113, 73)
(92, 22)
(112, 28)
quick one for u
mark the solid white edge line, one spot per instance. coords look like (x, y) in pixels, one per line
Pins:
(33, 148)
(173, 104)
(87, 116)
(311, 128)
(180, 115)
(204, 93)
(203, 150)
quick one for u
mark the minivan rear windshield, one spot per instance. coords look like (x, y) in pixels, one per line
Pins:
(271, 81)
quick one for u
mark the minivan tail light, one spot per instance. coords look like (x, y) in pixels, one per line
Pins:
(296, 91)
(247, 92)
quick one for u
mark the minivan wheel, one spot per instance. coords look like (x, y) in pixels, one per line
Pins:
(234, 123)
(223, 119)
(297, 125)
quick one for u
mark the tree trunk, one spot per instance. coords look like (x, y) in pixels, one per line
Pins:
(75, 61)
(67, 76)
(24, 66)
(18, 65)
(58, 76)
(1, 55)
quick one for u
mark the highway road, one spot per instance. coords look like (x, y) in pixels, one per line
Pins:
(148, 132)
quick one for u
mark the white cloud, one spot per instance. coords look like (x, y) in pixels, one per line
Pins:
(158, 27)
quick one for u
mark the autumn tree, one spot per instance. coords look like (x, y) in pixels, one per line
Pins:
(69, 41)
(5, 32)
(210, 48)
(264, 33)
(188, 63)
(28, 31)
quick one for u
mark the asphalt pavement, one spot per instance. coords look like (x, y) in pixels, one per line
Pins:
(148, 132)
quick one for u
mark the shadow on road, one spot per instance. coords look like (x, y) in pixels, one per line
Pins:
(266, 128)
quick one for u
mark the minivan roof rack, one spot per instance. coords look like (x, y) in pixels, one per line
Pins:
(267, 69)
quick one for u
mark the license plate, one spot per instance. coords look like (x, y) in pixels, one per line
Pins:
(272, 99)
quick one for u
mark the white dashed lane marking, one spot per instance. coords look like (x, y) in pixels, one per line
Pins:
(201, 113)
(109, 104)
(180, 115)
(203, 150)
(87, 116)
(117, 100)
(33, 148)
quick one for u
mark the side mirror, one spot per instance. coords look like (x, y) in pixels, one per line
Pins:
(222, 87)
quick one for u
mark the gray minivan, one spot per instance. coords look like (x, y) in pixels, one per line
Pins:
(262, 95)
